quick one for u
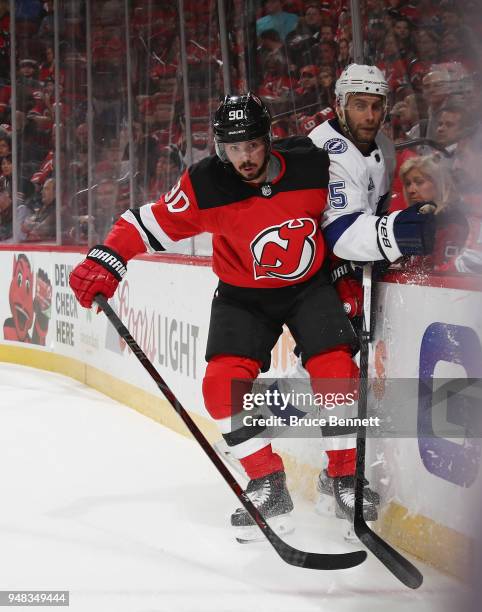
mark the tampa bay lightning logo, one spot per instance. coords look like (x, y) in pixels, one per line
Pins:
(335, 145)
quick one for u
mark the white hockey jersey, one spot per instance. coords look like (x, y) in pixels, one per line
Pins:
(358, 193)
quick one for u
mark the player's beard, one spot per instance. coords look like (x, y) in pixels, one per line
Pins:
(358, 137)
(259, 173)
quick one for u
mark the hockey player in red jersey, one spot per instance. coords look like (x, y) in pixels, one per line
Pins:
(263, 203)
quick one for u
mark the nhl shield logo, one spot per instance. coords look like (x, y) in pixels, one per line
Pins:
(266, 190)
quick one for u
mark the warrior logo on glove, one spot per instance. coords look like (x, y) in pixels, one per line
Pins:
(284, 251)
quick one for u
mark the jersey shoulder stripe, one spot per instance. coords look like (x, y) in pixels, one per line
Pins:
(216, 184)
(154, 244)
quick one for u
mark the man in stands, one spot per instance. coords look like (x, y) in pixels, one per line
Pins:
(450, 125)
(276, 19)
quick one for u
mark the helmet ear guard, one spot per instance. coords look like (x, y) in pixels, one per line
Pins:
(220, 151)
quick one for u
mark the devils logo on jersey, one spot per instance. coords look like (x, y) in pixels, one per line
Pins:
(284, 251)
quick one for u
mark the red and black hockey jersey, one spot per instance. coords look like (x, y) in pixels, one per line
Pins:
(263, 236)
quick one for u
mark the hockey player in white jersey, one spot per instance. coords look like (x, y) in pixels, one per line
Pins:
(361, 169)
(358, 229)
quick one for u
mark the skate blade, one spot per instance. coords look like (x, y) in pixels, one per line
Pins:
(349, 534)
(325, 505)
(281, 525)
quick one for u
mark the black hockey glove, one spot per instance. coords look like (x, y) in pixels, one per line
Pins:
(408, 232)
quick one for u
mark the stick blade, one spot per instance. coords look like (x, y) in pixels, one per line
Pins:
(317, 561)
(332, 562)
(400, 567)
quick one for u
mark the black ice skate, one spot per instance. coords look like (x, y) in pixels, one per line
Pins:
(271, 497)
(337, 496)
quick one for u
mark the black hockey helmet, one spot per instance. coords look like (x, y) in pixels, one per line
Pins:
(240, 118)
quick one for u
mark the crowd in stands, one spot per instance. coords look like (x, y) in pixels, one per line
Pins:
(289, 51)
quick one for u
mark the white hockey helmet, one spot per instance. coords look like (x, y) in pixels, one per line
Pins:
(360, 78)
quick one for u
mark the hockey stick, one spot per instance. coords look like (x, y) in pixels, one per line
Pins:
(290, 555)
(400, 567)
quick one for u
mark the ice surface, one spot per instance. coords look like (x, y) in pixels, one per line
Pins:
(129, 516)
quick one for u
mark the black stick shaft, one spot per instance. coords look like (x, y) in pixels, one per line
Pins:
(398, 565)
(289, 554)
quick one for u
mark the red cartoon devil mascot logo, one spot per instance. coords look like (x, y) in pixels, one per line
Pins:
(284, 251)
(25, 307)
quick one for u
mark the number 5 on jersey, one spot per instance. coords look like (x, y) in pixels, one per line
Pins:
(336, 195)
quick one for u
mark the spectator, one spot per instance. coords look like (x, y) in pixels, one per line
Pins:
(402, 29)
(450, 126)
(374, 39)
(47, 68)
(404, 8)
(456, 49)
(4, 39)
(5, 146)
(429, 14)
(306, 34)
(6, 174)
(40, 224)
(344, 55)
(44, 172)
(311, 23)
(435, 91)
(468, 179)
(276, 19)
(328, 52)
(406, 114)
(276, 85)
(390, 62)
(427, 45)
(27, 68)
(450, 16)
(271, 51)
(5, 215)
(27, 85)
(308, 92)
(327, 82)
(168, 169)
(47, 25)
(426, 181)
(326, 33)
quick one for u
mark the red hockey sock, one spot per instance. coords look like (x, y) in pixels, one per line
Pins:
(341, 462)
(335, 363)
(338, 364)
(218, 380)
(217, 390)
(262, 463)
